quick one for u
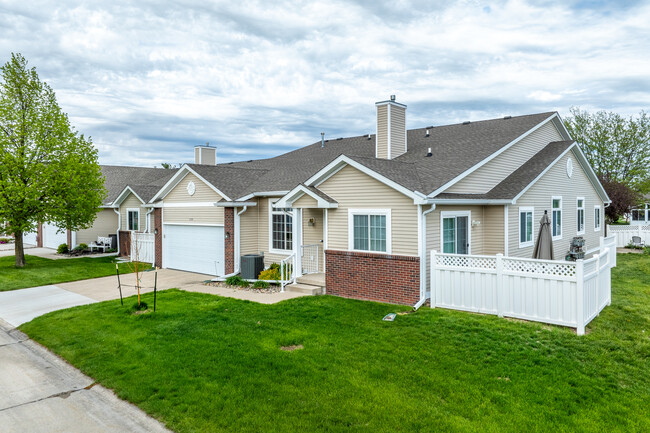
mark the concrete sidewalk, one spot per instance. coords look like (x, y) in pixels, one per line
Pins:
(42, 393)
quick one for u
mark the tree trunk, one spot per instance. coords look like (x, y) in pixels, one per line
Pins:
(19, 251)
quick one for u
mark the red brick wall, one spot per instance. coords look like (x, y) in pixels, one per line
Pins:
(157, 225)
(125, 243)
(373, 277)
(229, 242)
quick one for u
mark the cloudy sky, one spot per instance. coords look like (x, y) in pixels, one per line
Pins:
(148, 80)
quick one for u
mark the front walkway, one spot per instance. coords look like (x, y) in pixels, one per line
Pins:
(42, 393)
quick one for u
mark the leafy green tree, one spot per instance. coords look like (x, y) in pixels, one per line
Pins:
(48, 171)
(167, 165)
(617, 148)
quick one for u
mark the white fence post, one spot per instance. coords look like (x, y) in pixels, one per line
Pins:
(432, 288)
(500, 289)
(580, 297)
(597, 257)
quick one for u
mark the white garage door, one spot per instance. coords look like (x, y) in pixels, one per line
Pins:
(194, 248)
(29, 238)
(52, 239)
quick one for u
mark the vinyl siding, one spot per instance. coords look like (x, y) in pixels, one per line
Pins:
(305, 201)
(193, 215)
(489, 175)
(476, 236)
(132, 202)
(353, 189)
(556, 183)
(105, 223)
(382, 131)
(248, 231)
(313, 234)
(263, 229)
(397, 131)
(493, 230)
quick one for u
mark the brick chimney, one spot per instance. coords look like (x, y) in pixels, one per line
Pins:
(391, 129)
(205, 155)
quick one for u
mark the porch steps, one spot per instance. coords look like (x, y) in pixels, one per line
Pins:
(304, 288)
(311, 284)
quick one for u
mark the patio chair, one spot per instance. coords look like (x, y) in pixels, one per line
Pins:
(638, 242)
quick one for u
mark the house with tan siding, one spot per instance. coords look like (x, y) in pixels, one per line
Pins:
(363, 213)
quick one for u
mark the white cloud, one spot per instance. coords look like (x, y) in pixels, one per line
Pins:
(149, 80)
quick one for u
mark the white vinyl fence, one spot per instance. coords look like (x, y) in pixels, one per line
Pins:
(142, 247)
(624, 234)
(550, 291)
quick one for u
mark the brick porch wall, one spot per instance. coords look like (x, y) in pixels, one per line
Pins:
(229, 242)
(374, 277)
(125, 243)
(157, 225)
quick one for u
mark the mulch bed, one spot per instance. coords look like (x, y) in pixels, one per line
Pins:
(271, 289)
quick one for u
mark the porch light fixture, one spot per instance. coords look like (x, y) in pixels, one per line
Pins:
(312, 222)
(155, 231)
(227, 235)
(476, 223)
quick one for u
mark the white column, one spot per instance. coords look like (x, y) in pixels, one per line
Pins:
(580, 297)
(297, 240)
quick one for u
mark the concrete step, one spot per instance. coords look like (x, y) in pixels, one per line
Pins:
(312, 280)
(304, 288)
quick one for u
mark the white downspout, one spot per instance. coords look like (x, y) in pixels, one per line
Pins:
(422, 226)
(119, 225)
(238, 239)
(147, 217)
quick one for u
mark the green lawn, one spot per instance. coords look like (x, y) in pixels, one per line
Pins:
(40, 271)
(204, 363)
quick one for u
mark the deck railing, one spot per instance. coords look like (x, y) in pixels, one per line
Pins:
(310, 255)
(287, 271)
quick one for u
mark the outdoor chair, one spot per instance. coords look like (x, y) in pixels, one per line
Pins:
(103, 243)
(637, 242)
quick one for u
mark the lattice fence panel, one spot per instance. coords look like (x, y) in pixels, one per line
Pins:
(466, 261)
(543, 268)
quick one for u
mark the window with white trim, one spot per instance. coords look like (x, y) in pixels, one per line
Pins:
(580, 215)
(526, 226)
(597, 217)
(556, 217)
(132, 219)
(369, 230)
(281, 229)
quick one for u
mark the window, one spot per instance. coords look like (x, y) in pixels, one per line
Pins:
(281, 228)
(556, 223)
(525, 226)
(596, 218)
(581, 215)
(455, 233)
(369, 230)
(638, 215)
(132, 219)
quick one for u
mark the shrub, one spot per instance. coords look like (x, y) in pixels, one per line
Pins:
(244, 283)
(270, 274)
(62, 249)
(111, 250)
(274, 266)
(235, 280)
(261, 285)
(4, 240)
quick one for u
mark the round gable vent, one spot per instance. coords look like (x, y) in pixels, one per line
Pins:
(569, 167)
(191, 188)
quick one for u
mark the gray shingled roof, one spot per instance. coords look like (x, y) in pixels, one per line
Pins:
(145, 181)
(321, 194)
(512, 185)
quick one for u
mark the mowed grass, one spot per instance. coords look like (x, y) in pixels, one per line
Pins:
(39, 271)
(203, 363)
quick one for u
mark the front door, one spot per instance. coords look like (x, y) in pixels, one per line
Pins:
(455, 233)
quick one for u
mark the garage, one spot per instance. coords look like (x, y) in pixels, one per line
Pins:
(29, 238)
(194, 248)
(52, 239)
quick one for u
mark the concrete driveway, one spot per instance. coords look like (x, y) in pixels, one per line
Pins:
(42, 393)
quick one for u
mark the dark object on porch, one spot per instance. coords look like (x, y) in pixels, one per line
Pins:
(575, 251)
(113, 241)
(544, 245)
(251, 266)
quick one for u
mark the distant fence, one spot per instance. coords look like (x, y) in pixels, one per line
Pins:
(624, 234)
(550, 291)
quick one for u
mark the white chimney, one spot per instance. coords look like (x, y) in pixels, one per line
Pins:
(205, 155)
(391, 129)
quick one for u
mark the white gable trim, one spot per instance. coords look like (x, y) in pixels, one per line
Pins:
(262, 194)
(583, 163)
(333, 167)
(123, 196)
(492, 156)
(288, 199)
(178, 177)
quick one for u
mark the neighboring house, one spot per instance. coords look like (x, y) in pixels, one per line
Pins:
(641, 215)
(367, 210)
